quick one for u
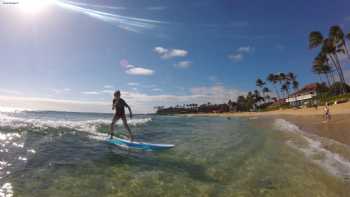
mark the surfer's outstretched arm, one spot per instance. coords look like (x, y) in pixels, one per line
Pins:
(129, 108)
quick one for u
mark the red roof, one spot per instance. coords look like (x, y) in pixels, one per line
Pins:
(307, 88)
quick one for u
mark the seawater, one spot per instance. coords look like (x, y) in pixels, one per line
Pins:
(64, 154)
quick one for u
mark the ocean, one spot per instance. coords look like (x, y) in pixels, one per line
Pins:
(45, 153)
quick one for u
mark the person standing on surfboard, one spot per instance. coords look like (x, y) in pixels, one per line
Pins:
(118, 105)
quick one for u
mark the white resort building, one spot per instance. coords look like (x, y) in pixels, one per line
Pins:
(303, 96)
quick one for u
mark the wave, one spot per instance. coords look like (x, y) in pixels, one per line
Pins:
(7, 121)
(314, 148)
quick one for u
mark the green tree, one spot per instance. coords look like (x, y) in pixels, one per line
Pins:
(328, 48)
(272, 78)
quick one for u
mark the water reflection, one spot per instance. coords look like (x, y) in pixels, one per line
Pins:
(6, 190)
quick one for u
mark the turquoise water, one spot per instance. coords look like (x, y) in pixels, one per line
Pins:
(64, 154)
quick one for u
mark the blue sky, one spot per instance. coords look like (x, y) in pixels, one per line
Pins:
(70, 55)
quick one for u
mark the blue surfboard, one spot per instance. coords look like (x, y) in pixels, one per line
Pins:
(139, 145)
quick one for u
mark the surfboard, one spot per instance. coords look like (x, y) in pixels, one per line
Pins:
(124, 143)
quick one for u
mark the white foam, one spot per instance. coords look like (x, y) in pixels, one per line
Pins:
(31, 151)
(22, 158)
(6, 190)
(8, 137)
(314, 150)
(85, 125)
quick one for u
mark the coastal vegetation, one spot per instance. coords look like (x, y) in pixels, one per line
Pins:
(272, 93)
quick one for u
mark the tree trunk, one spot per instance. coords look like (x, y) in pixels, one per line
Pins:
(319, 75)
(340, 67)
(335, 66)
(346, 49)
(277, 94)
(341, 72)
(329, 83)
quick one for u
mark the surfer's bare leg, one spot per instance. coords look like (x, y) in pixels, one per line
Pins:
(125, 122)
(114, 120)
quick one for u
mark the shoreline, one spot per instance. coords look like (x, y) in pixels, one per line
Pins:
(336, 109)
(309, 120)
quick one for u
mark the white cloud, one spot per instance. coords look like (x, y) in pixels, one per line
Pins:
(128, 66)
(156, 89)
(96, 6)
(133, 84)
(35, 103)
(160, 50)
(124, 22)
(183, 64)
(11, 92)
(108, 87)
(90, 93)
(134, 70)
(244, 49)
(139, 71)
(170, 53)
(236, 57)
(240, 53)
(107, 92)
(216, 94)
(156, 8)
(140, 102)
(60, 91)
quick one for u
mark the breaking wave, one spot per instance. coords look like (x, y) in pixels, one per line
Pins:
(12, 122)
(315, 148)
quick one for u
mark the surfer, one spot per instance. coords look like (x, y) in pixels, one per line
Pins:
(118, 105)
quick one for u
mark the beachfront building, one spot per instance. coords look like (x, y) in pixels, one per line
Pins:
(303, 96)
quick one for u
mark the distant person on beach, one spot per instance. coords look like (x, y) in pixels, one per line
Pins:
(327, 115)
(118, 105)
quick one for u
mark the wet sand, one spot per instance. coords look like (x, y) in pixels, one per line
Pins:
(338, 128)
(309, 120)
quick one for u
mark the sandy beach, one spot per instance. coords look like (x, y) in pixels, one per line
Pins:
(310, 120)
(335, 109)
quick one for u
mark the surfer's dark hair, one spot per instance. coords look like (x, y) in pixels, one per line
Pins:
(117, 92)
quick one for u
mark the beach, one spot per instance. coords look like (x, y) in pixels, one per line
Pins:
(309, 119)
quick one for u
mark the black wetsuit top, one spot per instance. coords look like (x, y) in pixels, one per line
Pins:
(119, 106)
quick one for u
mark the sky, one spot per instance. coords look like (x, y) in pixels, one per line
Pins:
(72, 55)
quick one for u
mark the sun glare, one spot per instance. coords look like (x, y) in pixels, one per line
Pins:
(34, 6)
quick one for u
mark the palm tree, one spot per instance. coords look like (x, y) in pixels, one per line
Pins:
(337, 35)
(328, 48)
(260, 83)
(281, 77)
(323, 66)
(272, 78)
(326, 70)
(348, 36)
(295, 85)
(315, 39)
(266, 90)
(287, 86)
(284, 88)
(317, 69)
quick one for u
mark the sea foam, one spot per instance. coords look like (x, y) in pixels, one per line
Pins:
(80, 125)
(314, 149)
